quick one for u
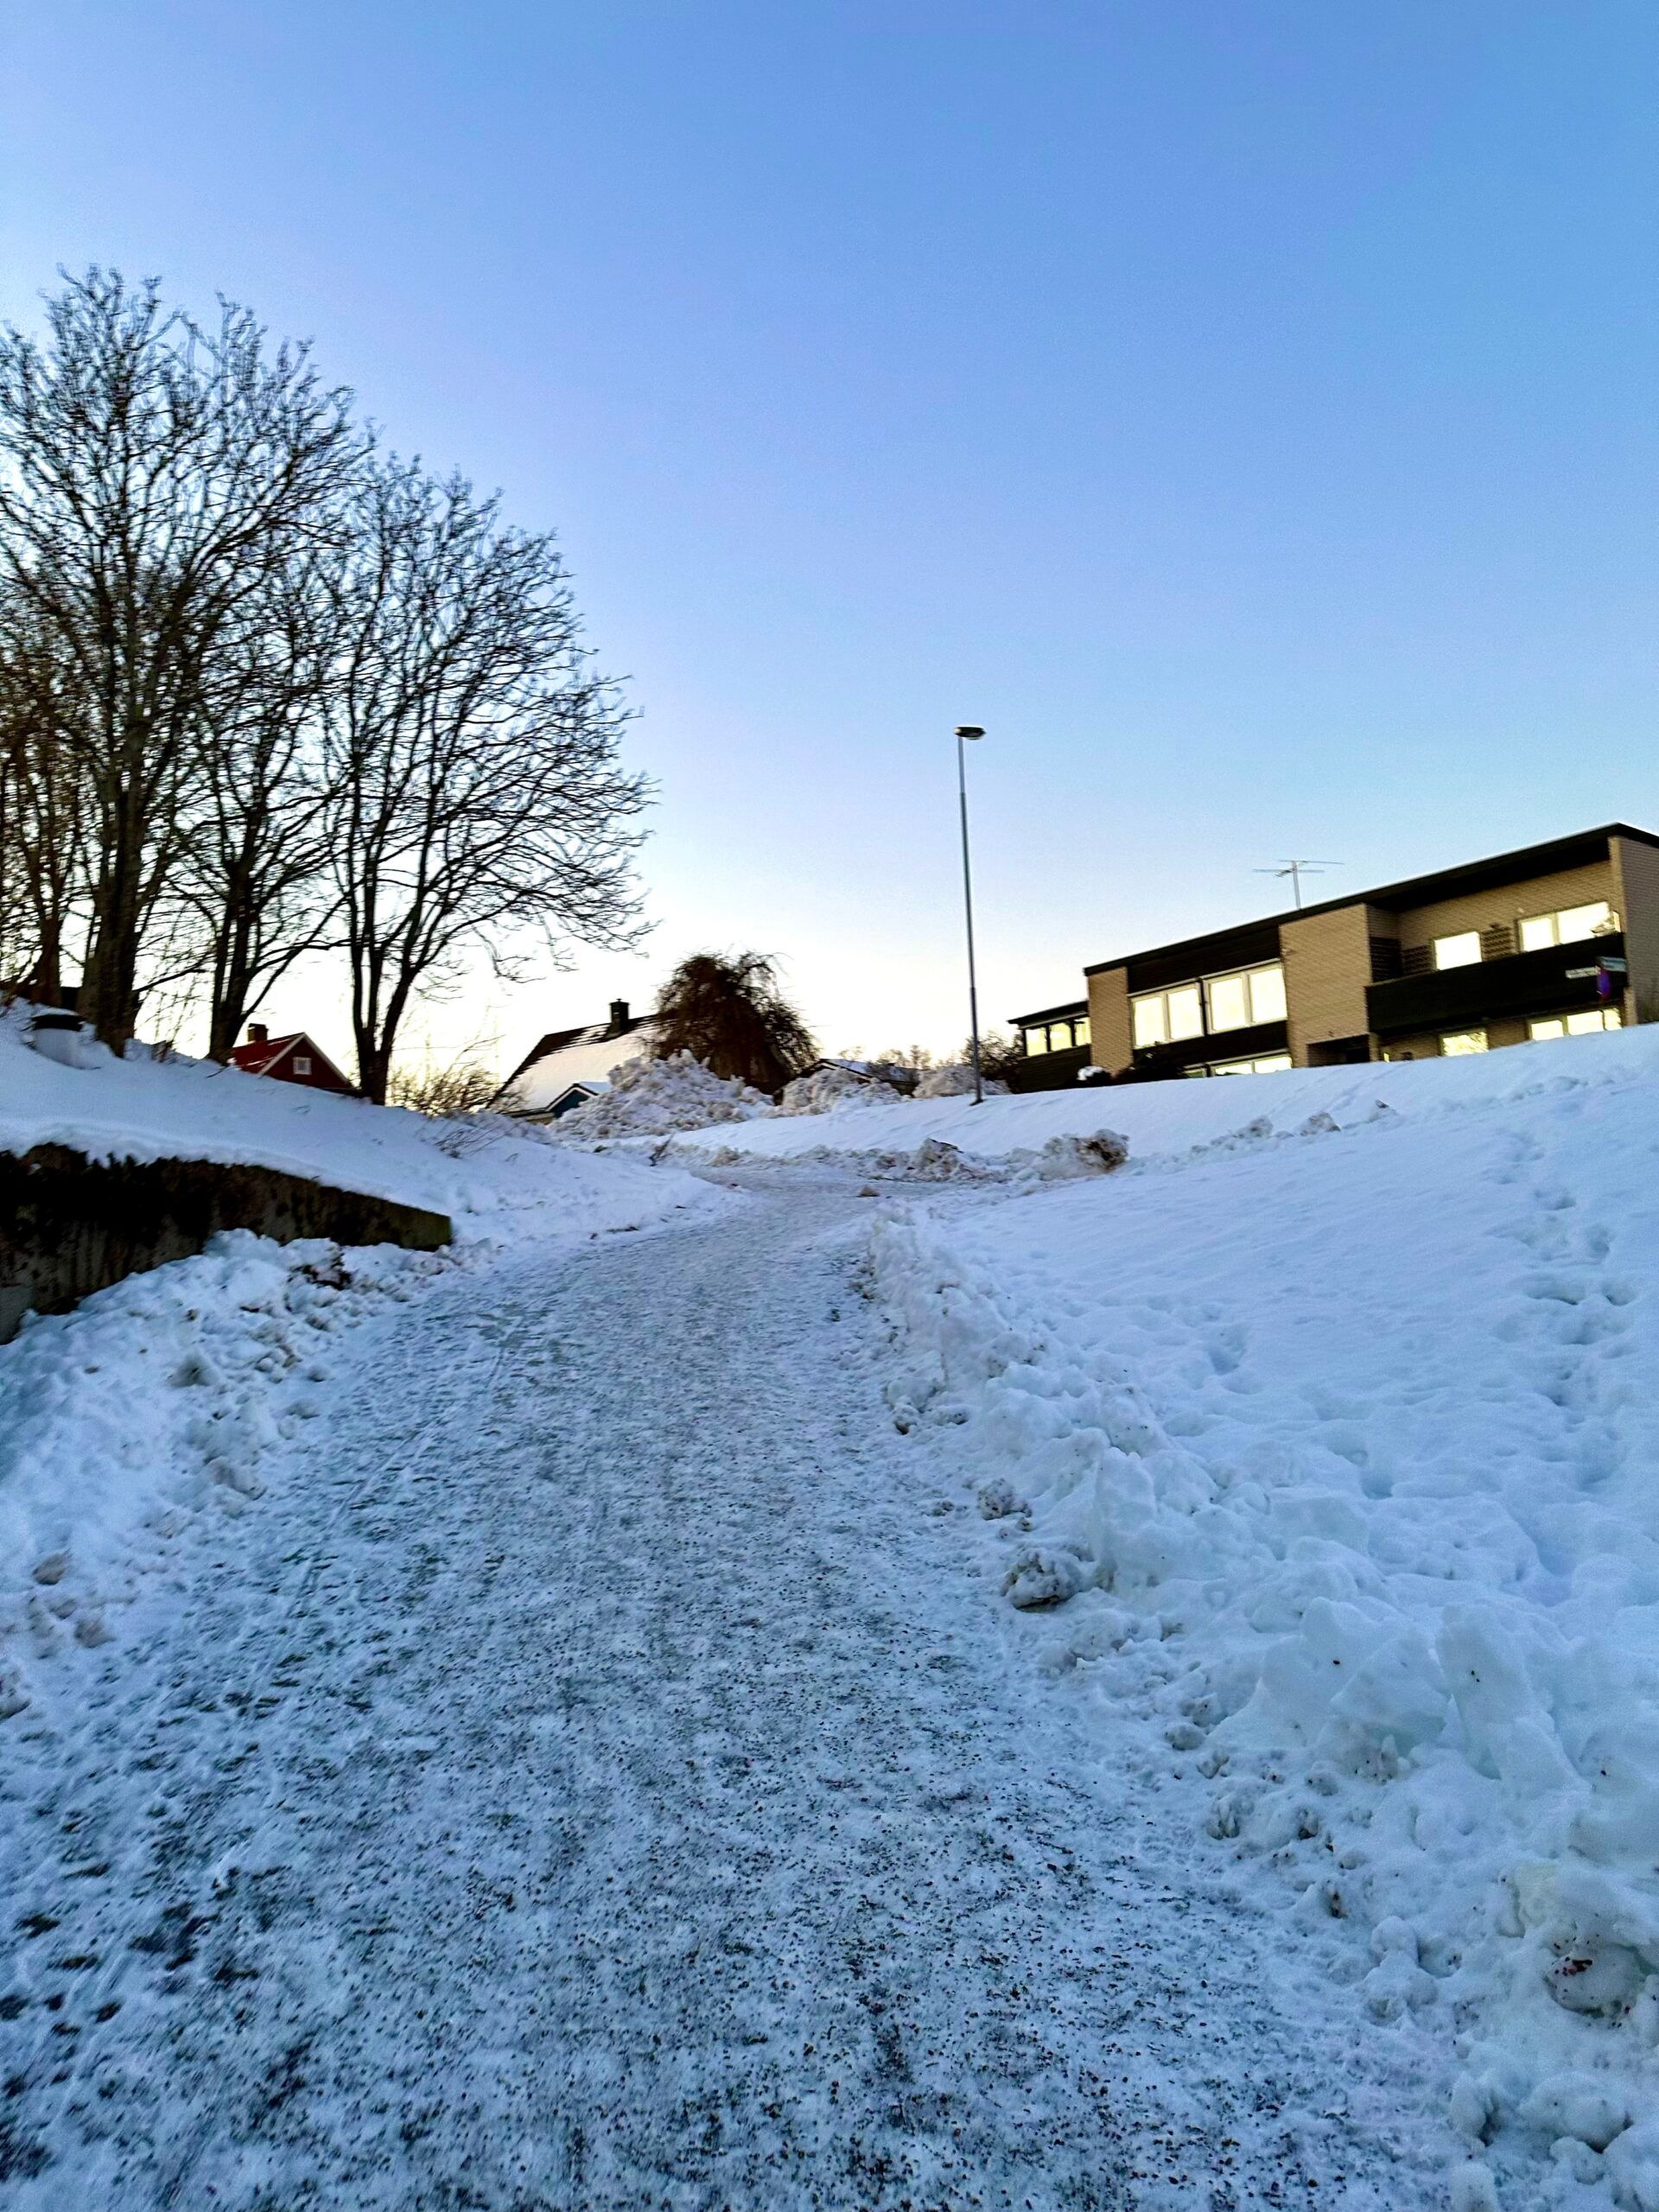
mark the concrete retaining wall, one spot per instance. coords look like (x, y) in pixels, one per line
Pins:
(70, 1225)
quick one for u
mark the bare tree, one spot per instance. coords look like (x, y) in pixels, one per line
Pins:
(472, 751)
(43, 716)
(256, 870)
(154, 475)
(464, 1084)
(728, 1011)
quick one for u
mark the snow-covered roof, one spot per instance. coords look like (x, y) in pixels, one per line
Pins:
(589, 1059)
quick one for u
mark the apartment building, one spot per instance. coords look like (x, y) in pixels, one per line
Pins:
(1548, 942)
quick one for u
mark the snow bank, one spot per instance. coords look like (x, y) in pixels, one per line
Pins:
(1167, 1121)
(652, 1098)
(1341, 1441)
(497, 1179)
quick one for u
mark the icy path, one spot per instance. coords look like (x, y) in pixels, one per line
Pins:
(602, 1781)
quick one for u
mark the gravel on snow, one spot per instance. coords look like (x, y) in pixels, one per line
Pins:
(599, 1778)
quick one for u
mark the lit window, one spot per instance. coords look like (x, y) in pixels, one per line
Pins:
(1575, 1024)
(1462, 950)
(1268, 1063)
(1185, 1012)
(1230, 1005)
(1080, 1031)
(1036, 1040)
(1267, 997)
(1555, 1026)
(1255, 994)
(1458, 1041)
(1570, 926)
(1168, 1017)
(301, 1064)
(1576, 922)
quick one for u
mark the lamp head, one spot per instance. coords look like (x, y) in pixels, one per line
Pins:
(969, 729)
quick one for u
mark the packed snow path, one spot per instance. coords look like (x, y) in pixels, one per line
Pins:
(599, 1778)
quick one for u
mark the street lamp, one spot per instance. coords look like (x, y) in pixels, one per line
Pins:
(966, 730)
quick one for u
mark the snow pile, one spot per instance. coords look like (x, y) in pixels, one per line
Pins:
(1061, 1160)
(152, 1407)
(1341, 1445)
(833, 1087)
(956, 1081)
(656, 1098)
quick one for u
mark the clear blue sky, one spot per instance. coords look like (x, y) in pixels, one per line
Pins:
(1248, 412)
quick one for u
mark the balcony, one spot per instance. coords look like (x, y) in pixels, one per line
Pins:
(1516, 984)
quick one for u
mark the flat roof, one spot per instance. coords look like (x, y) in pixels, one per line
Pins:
(1069, 1011)
(1488, 874)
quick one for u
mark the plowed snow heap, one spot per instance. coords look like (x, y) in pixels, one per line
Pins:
(652, 1098)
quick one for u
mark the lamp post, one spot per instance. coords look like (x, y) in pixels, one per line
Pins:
(964, 731)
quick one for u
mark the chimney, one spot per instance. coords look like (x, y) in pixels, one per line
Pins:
(619, 1016)
(258, 1034)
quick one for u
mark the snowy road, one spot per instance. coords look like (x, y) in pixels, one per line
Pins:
(604, 1777)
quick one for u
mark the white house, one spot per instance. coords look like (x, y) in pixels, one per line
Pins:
(571, 1066)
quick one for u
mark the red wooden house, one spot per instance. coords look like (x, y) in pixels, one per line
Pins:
(290, 1060)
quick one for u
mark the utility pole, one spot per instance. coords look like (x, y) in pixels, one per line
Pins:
(1296, 870)
(965, 731)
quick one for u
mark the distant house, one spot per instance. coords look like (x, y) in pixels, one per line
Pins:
(569, 1066)
(291, 1060)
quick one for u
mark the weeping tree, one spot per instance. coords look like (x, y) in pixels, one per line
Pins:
(728, 1011)
(471, 750)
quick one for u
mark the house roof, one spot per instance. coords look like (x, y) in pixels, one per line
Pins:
(571, 1056)
(259, 1057)
(1473, 876)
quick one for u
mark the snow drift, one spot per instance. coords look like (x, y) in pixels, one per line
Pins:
(1335, 1447)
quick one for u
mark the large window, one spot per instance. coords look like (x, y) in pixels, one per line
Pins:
(1456, 1042)
(1462, 950)
(1568, 926)
(1575, 1024)
(1056, 1036)
(1252, 995)
(1168, 1017)
(1238, 1000)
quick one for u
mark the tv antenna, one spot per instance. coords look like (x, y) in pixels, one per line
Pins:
(1296, 870)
